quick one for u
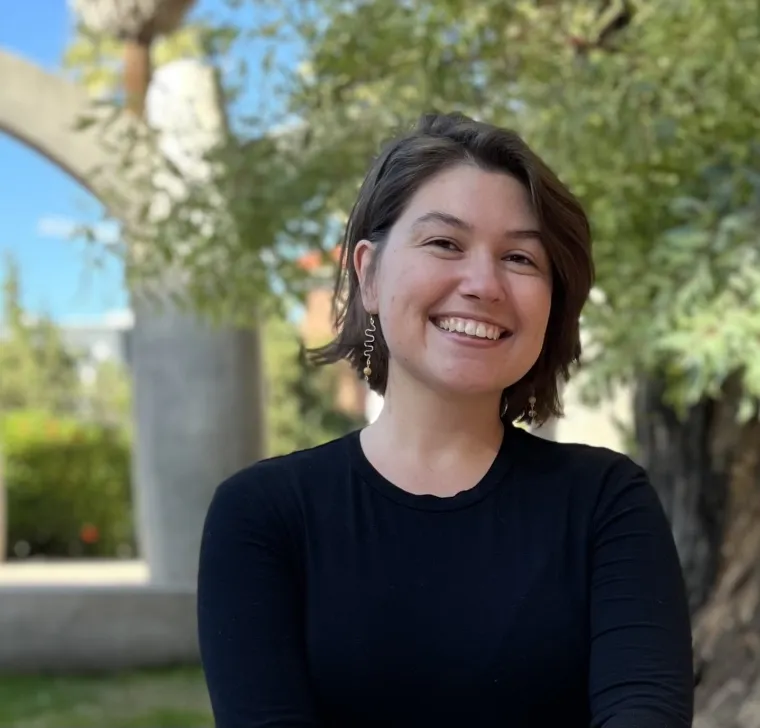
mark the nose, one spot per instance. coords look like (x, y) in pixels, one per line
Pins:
(483, 279)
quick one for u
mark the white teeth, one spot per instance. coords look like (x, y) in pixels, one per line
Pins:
(470, 327)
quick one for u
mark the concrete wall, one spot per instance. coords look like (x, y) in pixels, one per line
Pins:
(82, 628)
(92, 615)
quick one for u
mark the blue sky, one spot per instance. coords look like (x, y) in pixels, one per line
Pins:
(39, 204)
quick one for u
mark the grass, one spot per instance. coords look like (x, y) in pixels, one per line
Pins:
(148, 699)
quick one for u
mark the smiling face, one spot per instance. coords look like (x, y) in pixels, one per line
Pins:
(463, 287)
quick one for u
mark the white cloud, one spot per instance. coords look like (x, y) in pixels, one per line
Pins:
(57, 227)
(117, 318)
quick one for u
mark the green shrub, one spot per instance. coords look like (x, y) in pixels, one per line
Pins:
(68, 487)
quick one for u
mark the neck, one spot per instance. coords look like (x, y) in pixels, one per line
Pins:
(426, 422)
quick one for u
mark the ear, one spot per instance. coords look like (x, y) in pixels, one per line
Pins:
(364, 254)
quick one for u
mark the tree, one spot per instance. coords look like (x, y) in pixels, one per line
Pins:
(255, 181)
(300, 403)
(660, 128)
(106, 395)
(301, 400)
(38, 371)
(42, 373)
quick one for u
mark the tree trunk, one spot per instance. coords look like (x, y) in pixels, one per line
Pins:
(706, 469)
(137, 74)
(690, 476)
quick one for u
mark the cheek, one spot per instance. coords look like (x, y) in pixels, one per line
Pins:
(404, 289)
(404, 301)
(535, 307)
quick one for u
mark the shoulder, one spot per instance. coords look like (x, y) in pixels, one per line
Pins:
(279, 486)
(595, 475)
(313, 463)
(569, 459)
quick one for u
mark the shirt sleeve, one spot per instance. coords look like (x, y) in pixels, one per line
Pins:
(641, 668)
(250, 613)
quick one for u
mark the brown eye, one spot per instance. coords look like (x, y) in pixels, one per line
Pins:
(520, 259)
(443, 244)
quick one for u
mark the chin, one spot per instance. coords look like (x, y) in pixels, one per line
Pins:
(468, 386)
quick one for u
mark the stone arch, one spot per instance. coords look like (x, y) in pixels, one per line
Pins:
(198, 407)
(42, 111)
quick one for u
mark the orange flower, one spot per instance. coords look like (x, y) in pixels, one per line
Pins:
(89, 533)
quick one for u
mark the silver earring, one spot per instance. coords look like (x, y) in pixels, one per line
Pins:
(532, 410)
(369, 347)
(504, 406)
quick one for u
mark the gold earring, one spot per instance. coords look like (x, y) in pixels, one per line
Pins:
(369, 346)
(504, 406)
(532, 410)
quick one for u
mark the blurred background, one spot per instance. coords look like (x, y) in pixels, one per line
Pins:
(173, 180)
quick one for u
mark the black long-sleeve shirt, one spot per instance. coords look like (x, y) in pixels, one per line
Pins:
(549, 594)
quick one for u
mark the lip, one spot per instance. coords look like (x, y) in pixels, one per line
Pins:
(472, 317)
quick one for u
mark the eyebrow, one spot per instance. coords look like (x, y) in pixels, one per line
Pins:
(457, 222)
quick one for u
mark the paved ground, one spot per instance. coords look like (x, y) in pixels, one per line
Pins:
(67, 573)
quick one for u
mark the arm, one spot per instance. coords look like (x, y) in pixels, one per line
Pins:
(641, 673)
(250, 604)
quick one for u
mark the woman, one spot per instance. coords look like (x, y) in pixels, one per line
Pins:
(444, 567)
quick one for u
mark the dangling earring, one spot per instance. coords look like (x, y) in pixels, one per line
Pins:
(532, 410)
(369, 346)
(504, 406)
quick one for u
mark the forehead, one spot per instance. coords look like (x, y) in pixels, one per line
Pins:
(483, 198)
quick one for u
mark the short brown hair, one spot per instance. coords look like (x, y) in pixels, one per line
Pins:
(436, 143)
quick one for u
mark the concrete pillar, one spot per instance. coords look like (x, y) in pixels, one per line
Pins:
(198, 416)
